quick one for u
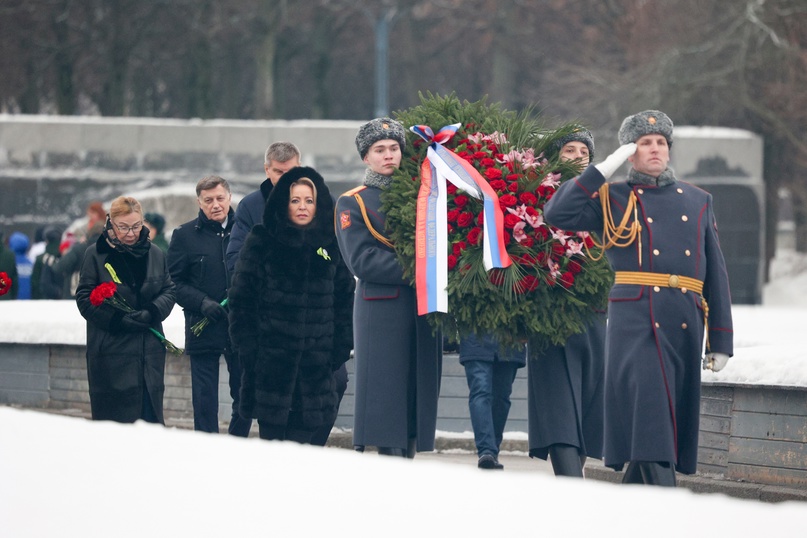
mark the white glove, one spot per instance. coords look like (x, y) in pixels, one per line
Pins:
(715, 361)
(615, 160)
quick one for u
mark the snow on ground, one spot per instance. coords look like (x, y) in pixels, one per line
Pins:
(63, 476)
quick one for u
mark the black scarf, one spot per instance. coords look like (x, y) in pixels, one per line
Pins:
(137, 250)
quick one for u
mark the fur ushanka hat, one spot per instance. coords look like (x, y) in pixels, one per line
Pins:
(379, 129)
(645, 123)
(580, 134)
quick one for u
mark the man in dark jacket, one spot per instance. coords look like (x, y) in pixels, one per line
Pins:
(280, 158)
(197, 267)
(45, 282)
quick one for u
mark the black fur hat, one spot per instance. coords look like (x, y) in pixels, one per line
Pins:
(379, 129)
(644, 123)
(275, 214)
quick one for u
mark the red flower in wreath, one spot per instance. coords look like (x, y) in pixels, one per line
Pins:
(5, 283)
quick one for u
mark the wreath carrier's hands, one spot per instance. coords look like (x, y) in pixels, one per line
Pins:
(615, 160)
(715, 361)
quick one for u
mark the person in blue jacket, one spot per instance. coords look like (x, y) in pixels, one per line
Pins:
(671, 290)
(18, 243)
(490, 370)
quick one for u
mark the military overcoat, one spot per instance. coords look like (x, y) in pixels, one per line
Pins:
(398, 358)
(655, 335)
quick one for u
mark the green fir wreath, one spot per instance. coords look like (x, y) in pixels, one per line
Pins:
(553, 285)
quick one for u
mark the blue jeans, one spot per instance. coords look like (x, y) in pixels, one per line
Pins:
(489, 384)
(205, 393)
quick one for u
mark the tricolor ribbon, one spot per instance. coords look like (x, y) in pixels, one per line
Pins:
(431, 231)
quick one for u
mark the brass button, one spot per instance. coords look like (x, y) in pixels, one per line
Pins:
(683, 325)
(640, 191)
(680, 190)
(655, 251)
(656, 289)
(683, 290)
(657, 325)
(684, 218)
(673, 281)
(650, 219)
(687, 252)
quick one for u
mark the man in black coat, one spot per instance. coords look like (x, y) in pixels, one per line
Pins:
(197, 266)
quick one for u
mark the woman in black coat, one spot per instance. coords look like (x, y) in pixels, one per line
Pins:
(125, 360)
(291, 310)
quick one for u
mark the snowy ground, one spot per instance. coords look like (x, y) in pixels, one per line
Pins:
(62, 476)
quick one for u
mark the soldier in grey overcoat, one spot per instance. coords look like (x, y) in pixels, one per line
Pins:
(670, 284)
(398, 358)
(565, 383)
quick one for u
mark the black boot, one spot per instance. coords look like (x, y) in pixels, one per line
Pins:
(633, 474)
(565, 460)
(412, 448)
(389, 451)
(658, 473)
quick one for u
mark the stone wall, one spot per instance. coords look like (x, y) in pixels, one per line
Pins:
(51, 167)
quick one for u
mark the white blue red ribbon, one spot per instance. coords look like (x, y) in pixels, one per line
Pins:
(431, 230)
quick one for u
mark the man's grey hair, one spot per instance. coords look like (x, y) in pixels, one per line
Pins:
(281, 152)
(211, 182)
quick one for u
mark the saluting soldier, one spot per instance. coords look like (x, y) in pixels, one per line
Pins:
(670, 287)
(398, 359)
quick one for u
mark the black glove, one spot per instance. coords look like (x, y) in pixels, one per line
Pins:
(136, 321)
(212, 310)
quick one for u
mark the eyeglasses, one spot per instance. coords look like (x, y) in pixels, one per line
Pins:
(126, 229)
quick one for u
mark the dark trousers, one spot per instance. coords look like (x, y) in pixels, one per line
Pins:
(205, 393)
(489, 387)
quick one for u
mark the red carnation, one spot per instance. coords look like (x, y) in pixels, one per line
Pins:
(496, 277)
(513, 187)
(508, 200)
(452, 215)
(451, 189)
(473, 235)
(452, 261)
(511, 220)
(480, 155)
(541, 233)
(540, 259)
(5, 283)
(458, 247)
(498, 185)
(487, 162)
(493, 173)
(512, 177)
(527, 242)
(567, 280)
(480, 218)
(102, 292)
(460, 200)
(558, 250)
(574, 267)
(528, 283)
(589, 242)
(465, 218)
(527, 198)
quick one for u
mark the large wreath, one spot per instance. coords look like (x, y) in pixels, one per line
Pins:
(556, 279)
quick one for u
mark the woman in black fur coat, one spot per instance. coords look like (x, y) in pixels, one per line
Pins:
(291, 311)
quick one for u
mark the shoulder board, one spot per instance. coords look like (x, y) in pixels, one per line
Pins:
(355, 190)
